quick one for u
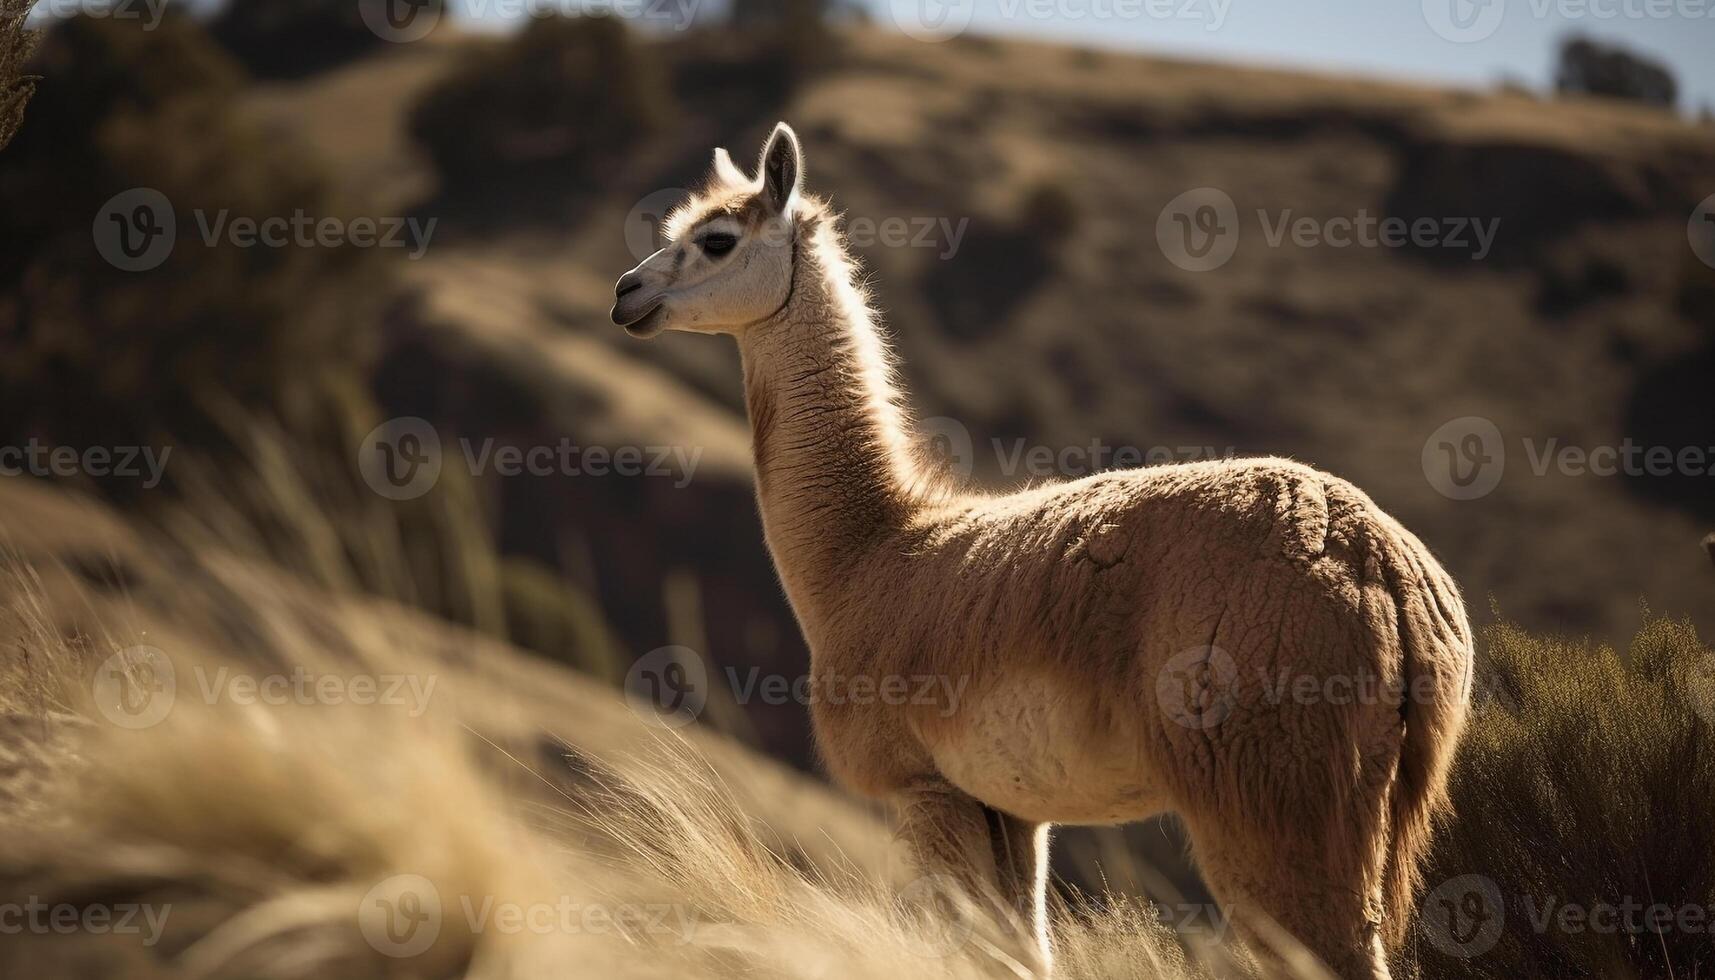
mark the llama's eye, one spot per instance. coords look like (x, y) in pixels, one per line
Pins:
(718, 243)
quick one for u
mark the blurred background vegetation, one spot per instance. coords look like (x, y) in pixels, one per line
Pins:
(542, 155)
(15, 87)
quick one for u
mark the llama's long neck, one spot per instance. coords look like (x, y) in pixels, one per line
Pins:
(834, 467)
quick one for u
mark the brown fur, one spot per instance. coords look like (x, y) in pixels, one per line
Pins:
(1060, 615)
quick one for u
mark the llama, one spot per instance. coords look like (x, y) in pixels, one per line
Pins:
(1251, 644)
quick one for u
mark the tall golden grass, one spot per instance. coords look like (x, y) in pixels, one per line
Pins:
(15, 46)
(275, 836)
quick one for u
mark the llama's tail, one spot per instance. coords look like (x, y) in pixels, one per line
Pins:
(1435, 643)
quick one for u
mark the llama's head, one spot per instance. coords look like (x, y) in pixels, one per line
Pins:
(728, 262)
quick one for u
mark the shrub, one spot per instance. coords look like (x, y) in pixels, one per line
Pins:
(1574, 280)
(1589, 68)
(15, 86)
(545, 614)
(1586, 781)
(567, 95)
(794, 34)
(94, 355)
(283, 38)
(1000, 263)
(1694, 293)
(253, 364)
(1048, 210)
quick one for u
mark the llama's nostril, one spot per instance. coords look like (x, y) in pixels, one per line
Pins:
(626, 285)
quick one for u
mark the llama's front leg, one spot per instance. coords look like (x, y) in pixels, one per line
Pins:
(996, 860)
(1021, 855)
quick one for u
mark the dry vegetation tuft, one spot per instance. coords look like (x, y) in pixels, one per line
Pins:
(15, 47)
(276, 835)
(567, 93)
(1586, 782)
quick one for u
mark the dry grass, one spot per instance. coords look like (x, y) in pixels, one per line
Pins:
(256, 833)
(1586, 781)
(15, 47)
(263, 832)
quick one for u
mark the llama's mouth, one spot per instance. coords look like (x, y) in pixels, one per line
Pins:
(649, 324)
(645, 323)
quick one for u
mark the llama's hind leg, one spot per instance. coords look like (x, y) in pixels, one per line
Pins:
(1278, 888)
(992, 858)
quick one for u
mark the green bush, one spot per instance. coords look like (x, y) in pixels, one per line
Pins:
(1586, 782)
(567, 96)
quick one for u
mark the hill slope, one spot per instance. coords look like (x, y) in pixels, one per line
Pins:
(1049, 325)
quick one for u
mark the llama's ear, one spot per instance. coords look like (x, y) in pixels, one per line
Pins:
(727, 171)
(782, 169)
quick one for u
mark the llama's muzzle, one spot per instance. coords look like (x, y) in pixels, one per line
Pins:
(630, 305)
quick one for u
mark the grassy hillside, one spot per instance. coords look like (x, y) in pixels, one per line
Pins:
(277, 838)
(81, 582)
(1037, 308)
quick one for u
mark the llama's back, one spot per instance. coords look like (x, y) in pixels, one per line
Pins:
(1081, 572)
